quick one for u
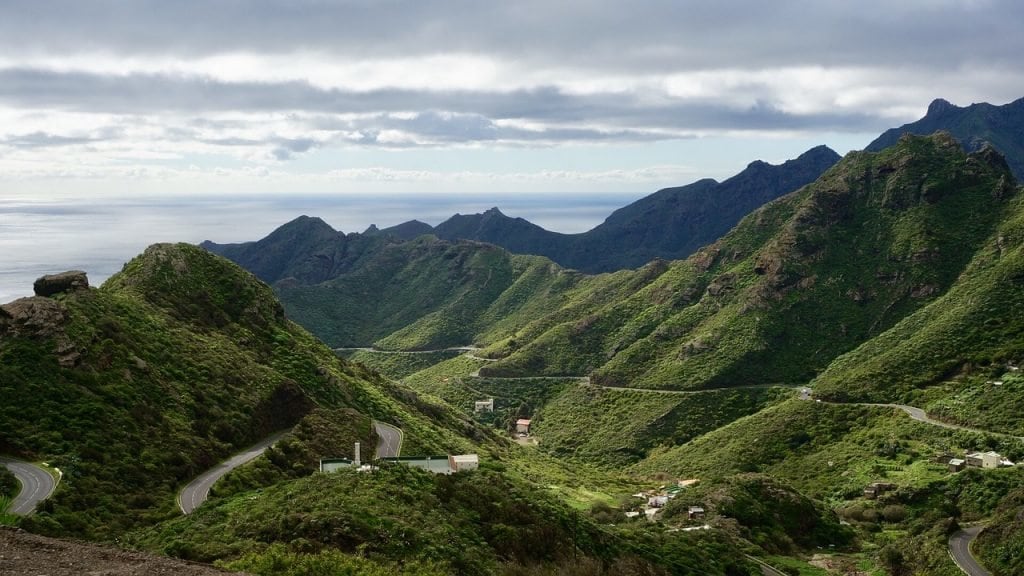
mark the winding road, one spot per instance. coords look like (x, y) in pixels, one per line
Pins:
(389, 440)
(960, 550)
(197, 491)
(36, 485)
(920, 415)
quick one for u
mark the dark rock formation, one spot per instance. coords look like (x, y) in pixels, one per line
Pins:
(63, 282)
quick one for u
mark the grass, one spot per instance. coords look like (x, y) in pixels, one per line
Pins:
(5, 518)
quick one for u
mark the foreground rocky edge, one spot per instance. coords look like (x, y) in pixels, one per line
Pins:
(24, 553)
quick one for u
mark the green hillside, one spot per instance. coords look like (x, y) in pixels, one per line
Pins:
(427, 293)
(405, 521)
(796, 283)
(971, 332)
(179, 360)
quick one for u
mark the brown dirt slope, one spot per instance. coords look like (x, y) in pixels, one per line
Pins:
(23, 553)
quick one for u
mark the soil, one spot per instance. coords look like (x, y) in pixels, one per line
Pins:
(25, 554)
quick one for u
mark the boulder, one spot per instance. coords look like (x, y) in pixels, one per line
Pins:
(63, 282)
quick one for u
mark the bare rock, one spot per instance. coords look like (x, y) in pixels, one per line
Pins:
(64, 282)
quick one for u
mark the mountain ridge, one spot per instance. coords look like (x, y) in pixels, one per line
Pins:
(973, 125)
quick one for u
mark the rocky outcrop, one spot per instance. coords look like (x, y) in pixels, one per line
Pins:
(58, 283)
(40, 318)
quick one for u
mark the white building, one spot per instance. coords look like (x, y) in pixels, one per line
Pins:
(463, 462)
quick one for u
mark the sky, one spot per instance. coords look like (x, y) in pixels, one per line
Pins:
(192, 112)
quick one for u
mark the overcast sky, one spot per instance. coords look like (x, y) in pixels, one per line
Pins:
(393, 97)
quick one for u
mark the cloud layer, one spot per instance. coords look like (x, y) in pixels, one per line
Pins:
(156, 83)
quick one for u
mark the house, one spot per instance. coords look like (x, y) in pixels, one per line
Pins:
(523, 426)
(695, 513)
(463, 462)
(986, 460)
(956, 464)
(484, 405)
(876, 489)
(657, 501)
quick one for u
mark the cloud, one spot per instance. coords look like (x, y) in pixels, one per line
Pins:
(146, 87)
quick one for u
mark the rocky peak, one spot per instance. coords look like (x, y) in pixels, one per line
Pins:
(940, 106)
(69, 281)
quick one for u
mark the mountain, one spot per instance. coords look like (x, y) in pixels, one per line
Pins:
(797, 283)
(306, 249)
(427, 293)
(800, 281)
(404, 231)
(671, 223)
(180, 359)
(974, 125)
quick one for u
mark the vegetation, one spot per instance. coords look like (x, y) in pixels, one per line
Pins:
(999, 545)
(469, 523)
(973, 329)
(613, 427)
(179, 360)
(323, 433)
(9, 485)
(765, 511)
(399, 365)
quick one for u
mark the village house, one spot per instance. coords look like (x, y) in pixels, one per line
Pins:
(986, 460)
(876, 489)
(657, 501)
(956, 464)
(695, 513)
(464, 462)
(523, 426)
(484, 405)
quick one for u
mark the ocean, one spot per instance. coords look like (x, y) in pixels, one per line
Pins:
(98, 235)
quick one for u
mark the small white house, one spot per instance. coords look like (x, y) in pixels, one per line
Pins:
(464, 462)
(657, 501)
(522, 426)
(484, 405)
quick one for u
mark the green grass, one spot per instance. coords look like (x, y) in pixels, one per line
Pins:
(5, 518)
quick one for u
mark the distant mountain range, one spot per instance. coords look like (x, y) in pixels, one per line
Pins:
(671, 223)
(799, 281)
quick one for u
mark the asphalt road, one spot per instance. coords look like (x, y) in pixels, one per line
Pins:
(36, 485)
(919, 415)
(960, 550)
(196, 492)
(389, 440)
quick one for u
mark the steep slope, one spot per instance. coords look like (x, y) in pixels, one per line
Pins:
(427, 293)
(305, 249)
(180, 359)
(797, 283)
(675, 222)
(975, 327)
(671, 223)
(974, 125)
